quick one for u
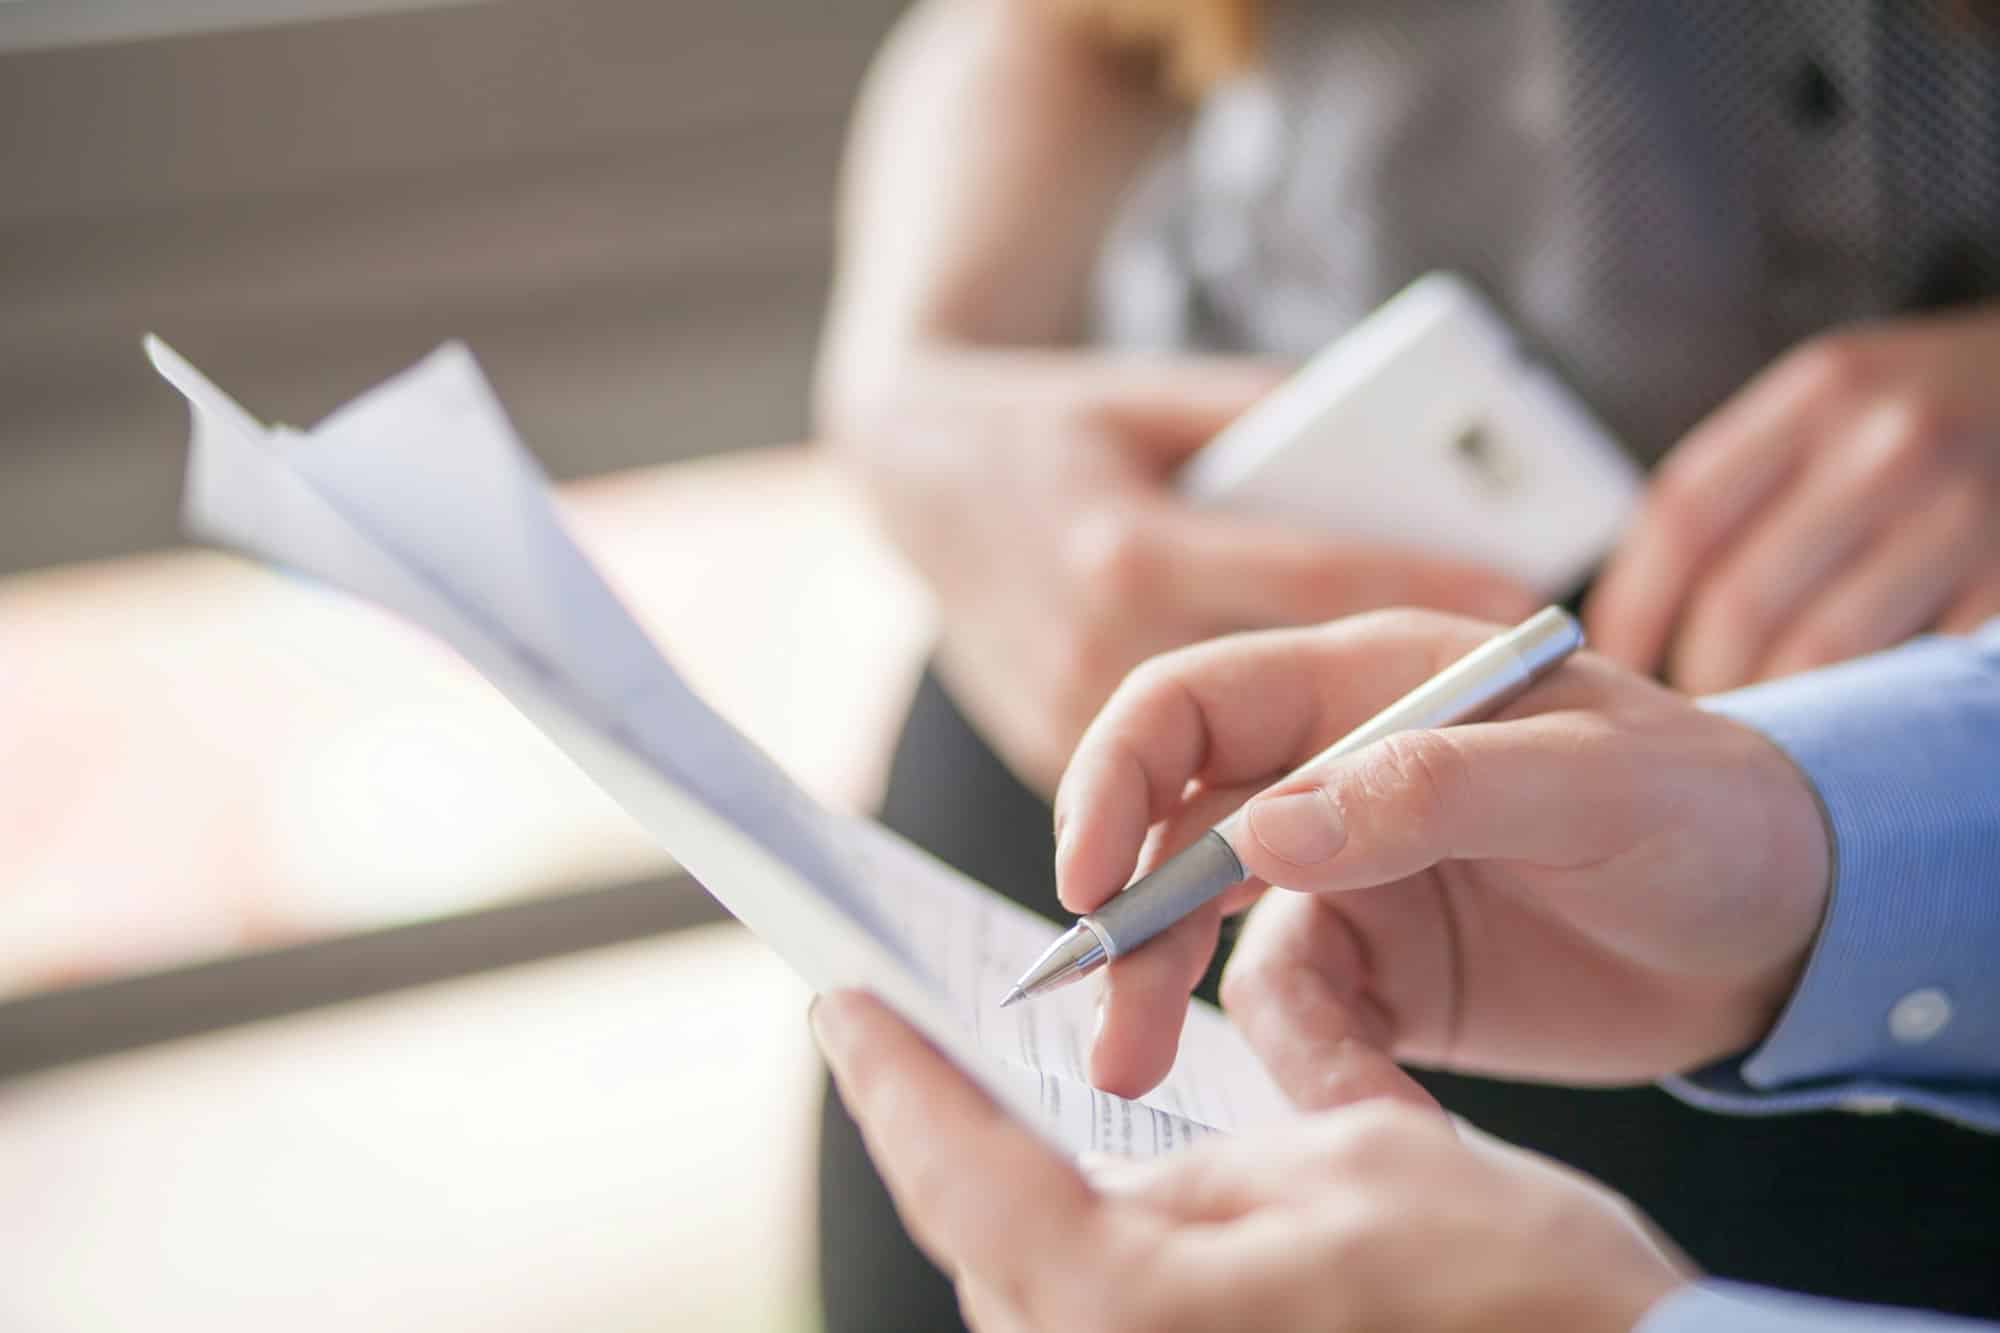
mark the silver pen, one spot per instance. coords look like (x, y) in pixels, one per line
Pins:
(1477, 683)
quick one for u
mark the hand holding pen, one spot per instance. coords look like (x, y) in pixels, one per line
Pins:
(1600, 883)
(1477, 683)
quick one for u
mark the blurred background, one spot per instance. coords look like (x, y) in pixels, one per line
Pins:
(328, 993)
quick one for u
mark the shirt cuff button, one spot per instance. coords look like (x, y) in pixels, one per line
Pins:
(1919, 1016)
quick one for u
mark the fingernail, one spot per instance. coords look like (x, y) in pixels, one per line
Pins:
(1302, 828)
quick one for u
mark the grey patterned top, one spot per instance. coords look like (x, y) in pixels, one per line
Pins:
(1664, 194)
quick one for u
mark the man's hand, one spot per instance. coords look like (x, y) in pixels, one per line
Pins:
(1372, 1217)
(1031, 490)
(1846, 499)
(1602, 884)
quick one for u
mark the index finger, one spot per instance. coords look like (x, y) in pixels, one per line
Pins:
(975, 1188)
(1243, 710)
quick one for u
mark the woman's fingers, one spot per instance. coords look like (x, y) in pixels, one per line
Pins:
(1170, 406)
(1240, 573)
(1707, 490)
(1898, 587)
(1804, 538)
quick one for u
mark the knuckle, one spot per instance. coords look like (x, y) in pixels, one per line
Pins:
(1915, 430)
(1421, 772)
(1112, 555)
(1378, 1130)
(1247, 984)
(1157, 675)
(1378, 1139)
(1837, 365)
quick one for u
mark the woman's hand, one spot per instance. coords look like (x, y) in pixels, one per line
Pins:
(1848, 498)
(1602, 884)
(1032, 491)
(1373, 1217)
(992, 149)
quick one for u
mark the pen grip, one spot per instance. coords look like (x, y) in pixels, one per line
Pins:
(1177, 887)
(1474, 685)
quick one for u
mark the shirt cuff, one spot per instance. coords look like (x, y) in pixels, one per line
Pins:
(1729, 1307)
(1899, 1002)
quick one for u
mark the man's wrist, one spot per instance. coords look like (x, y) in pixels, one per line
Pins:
(1898, 748)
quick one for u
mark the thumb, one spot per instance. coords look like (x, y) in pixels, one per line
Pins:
(1528, 789)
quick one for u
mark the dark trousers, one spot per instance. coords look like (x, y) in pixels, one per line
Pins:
(1897, 1209)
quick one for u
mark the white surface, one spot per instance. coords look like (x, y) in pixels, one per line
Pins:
(617, 1140)
(36, 24)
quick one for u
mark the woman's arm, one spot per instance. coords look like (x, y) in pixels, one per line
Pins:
(992, 142)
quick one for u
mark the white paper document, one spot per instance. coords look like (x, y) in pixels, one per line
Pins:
(419, 497)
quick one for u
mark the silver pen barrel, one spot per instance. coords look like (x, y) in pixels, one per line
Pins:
(1175, 887)
(1483, 680)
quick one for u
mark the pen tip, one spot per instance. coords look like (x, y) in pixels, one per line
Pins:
(1014, 996)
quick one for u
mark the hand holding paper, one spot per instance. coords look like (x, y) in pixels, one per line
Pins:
(418, 497)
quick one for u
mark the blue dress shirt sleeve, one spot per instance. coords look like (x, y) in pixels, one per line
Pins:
(1725, 1307)
(1899, 1003)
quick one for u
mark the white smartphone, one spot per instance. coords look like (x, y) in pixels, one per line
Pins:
(1428, 426)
